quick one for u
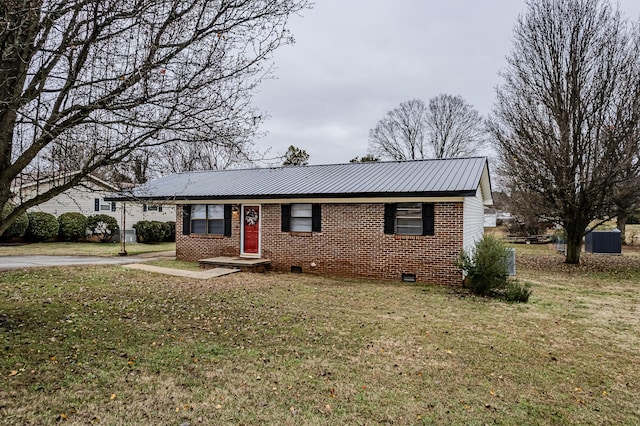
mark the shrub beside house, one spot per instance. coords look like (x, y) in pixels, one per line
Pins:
(89, 199)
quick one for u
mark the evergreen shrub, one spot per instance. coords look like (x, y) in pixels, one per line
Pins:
(73, 226)
(17, 228)
(42, 226)
(150, 231)
(102, 226)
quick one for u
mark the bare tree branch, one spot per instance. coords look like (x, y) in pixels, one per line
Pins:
(567, 118)
(107, 78)
(400, 134)
(447, 127)
(454, 128)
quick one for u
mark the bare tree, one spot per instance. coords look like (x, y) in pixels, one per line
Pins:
(104, 78)
(206, 155)
(400, 134)
(454, 127)
(626, 199)
(566, 120)
(447, 127)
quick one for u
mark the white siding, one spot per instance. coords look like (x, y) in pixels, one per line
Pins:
(473, 213)
(81, 199)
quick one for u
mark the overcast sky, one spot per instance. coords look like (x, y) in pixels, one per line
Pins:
(354, 60)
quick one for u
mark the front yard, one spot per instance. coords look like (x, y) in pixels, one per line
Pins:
(110, 346)
(80, 249)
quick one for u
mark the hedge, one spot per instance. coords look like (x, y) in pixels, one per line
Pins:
(42, 226)
(102, 226)
(73, 226)
(17, 228)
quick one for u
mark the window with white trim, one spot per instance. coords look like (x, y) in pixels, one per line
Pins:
(100, 205)
(152, 208)
(301, 217)
(207, 219)
(408, 219)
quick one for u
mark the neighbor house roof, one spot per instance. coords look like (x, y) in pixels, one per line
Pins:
(419, 178)
(35, 181)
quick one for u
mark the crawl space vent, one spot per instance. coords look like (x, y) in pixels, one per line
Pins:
(296, 269)
(408, 278)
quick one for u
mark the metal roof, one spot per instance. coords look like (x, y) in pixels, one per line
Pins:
(437, 177)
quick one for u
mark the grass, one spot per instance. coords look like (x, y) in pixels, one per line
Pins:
(79, 249)
(103, 345)
(175, 264)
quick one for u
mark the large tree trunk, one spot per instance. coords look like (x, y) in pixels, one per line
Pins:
(574, 243)
(621, 223)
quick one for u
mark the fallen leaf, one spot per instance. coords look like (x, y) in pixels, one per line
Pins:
(492, 392)
(113, 396)
(13, 372)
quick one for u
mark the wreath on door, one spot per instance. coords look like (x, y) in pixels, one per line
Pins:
(251, 216)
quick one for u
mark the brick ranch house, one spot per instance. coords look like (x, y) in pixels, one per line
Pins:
(380, 220)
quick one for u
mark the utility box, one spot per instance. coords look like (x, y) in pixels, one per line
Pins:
(603, 242)
(129, 236)
(511, 261)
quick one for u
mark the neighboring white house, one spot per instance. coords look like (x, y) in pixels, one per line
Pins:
(88, 199)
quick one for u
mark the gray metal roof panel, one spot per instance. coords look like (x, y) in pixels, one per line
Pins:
(458, 175)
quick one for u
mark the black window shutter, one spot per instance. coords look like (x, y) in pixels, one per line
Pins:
(160, 208)
(186, 219)
(389, 218)
(144, 207)
(96, 204)
(227, 220)
(428, 219)
(316, 218)
(285, 221)
(113, 206)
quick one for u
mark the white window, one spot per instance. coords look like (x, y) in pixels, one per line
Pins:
(301, 217)
(409, 219)
(207, 219)
(153, 207)
(100, 205)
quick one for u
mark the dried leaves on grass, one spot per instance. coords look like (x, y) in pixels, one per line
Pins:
(103, 345)
(546, 259)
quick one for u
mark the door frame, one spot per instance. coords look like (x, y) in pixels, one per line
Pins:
(242, 253)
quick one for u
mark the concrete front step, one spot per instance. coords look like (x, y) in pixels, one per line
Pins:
(243, 263)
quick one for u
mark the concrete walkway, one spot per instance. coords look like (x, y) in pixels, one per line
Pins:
(201, 275)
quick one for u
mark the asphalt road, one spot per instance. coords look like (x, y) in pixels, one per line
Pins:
(20, 262)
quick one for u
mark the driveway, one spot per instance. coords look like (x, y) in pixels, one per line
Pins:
(20, 262)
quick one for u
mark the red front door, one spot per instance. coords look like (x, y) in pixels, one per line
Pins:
(251, 229)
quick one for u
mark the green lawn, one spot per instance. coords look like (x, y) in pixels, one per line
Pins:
(78, 249)
(175, 264)
(106, 345)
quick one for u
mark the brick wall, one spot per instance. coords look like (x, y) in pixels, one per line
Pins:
(352, 243)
